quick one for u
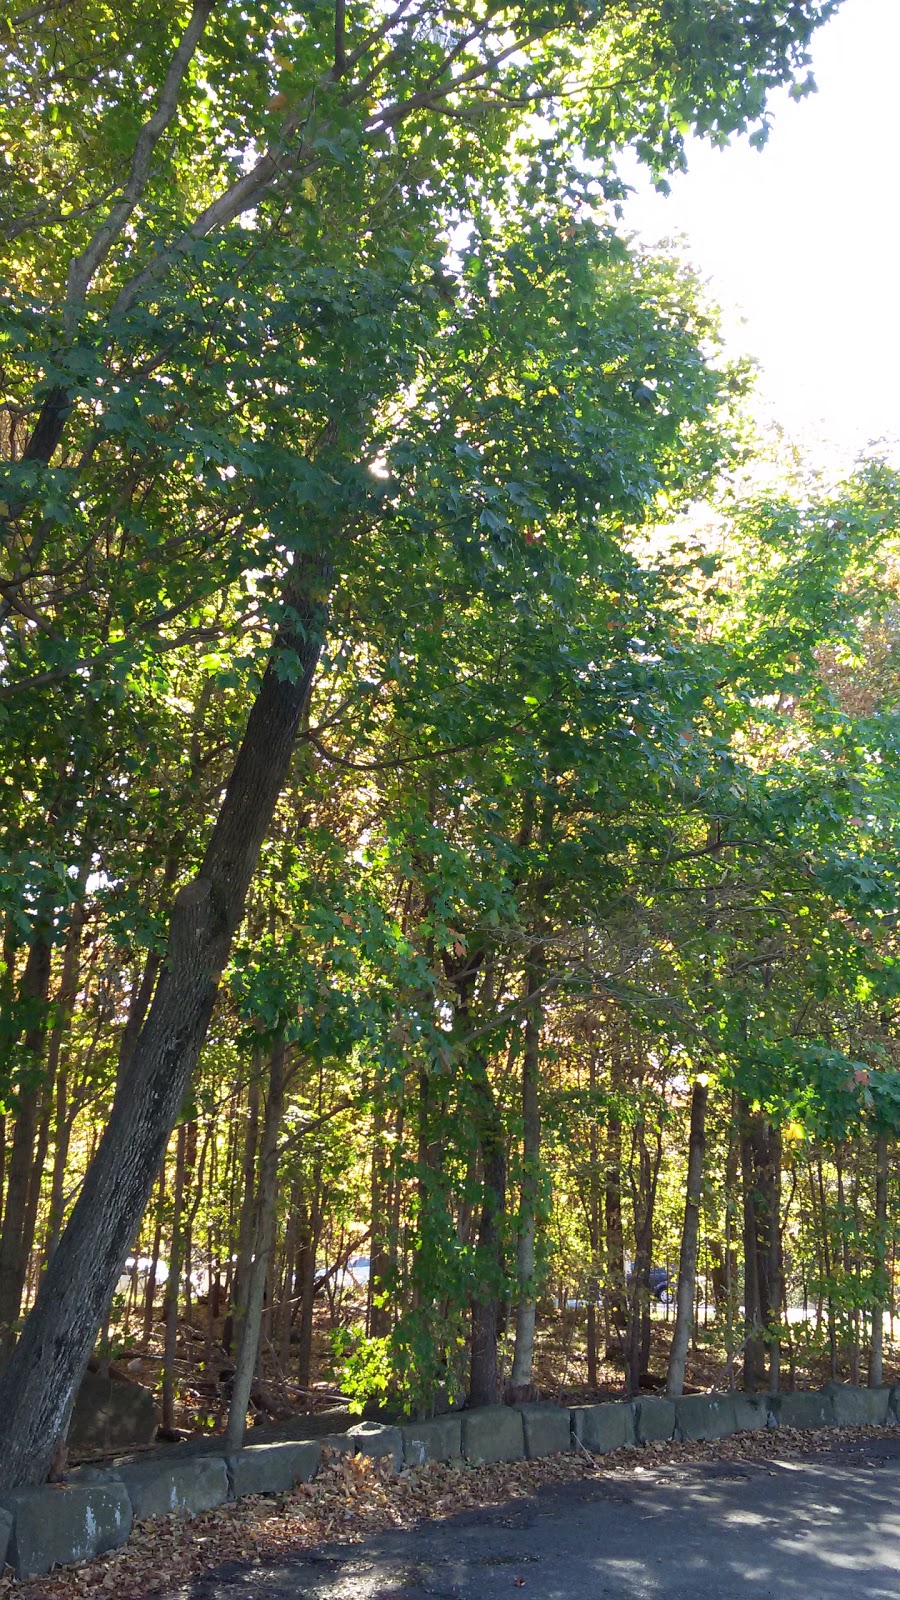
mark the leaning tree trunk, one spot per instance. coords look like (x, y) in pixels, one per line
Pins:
(526, 1309)
(38, 1385)
(690, 1234)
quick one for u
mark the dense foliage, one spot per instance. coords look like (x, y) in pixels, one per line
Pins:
(389, 571)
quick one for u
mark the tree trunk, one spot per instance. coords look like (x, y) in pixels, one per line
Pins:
(644, 1199)
(594, 1230)
(615, 1287)
(173, 1281)
(38, 1385)
(57, 1074)
(193, 1178)
(306, 1279)
(690, 1235)
(33, 991)
(483, 1373)
(155, 1248)
(754, 1360)
(32, 1203)
(880, 1275)
(761, 1171)
(246, 1222)
(378, 1314)
(264, 1236)
(526, 1308)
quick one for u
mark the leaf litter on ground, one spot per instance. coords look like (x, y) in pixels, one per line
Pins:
(355, 1497)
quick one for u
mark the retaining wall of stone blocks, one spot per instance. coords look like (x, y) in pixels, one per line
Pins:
(57, 1525)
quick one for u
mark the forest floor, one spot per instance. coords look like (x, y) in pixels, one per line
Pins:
(355, 1500)
(560, 1370)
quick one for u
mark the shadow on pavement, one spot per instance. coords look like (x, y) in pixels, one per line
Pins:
(826, 1527)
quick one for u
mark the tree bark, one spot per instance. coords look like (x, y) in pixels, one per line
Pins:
(38, 1385)
(155, 1250)
(264, 1234)
(637, 1342)
(614, 1288)
(57, 1074)
(310, 1225)
(876, 1347)
(690, 1235)
(754, 1369)
(34, 991)
(378, 1314)
(594, 1230)
(246, 1220)
(483, 1373)
(173, 1282)
(523, 1358)
(761, 1173)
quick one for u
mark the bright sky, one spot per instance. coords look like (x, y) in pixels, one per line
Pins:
(803, 238)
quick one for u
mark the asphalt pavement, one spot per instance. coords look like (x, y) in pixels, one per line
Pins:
(823, 1527)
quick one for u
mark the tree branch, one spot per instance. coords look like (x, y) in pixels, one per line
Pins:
(340, 51)
(83, 267)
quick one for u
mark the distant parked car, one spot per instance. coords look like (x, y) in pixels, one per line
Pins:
(662, 1288)
(662, 1284)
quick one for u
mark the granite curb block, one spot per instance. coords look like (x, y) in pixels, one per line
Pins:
(492, 1433)
(439, 1439)
(374, 1439)
(57, 1526)
(607, 1426)
(547, 1428)
(705, 1416)
(654, 1418)
(185, 1488)
(272, 1468)
(752, 1413)
(805, 1408)
(53, 1526)
(855, 1408)
(340, 1444)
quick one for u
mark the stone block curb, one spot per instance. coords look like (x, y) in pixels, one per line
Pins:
(56, 1526)
(751, 1412)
